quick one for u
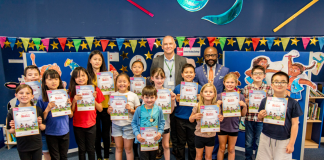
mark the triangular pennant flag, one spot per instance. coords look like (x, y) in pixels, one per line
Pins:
(62, 42)
(305, 41)
(77, 43)
(46, 43)
(25, 42)
(13, 41)
(37, 42)
(270, 41)
(133, 44)
(255, 42)
(285, 42)
(120, 42)
(2, 40)
(191, 42)
(180, 41)
(211, 41)
(222, 41)
(151, 42)
(240, 41)
(104, 43)
(321, 42)
(90, 41)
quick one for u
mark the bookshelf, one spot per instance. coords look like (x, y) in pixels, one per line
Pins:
(8, 141)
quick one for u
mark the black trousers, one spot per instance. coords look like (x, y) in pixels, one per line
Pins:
(173, 134)
(31, 155)
(147, 155)
(58, 146)
(185, 130)
(103, 125)
(85, 138)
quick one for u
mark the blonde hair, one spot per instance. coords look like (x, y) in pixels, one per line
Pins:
(231, 75)
(202, 99)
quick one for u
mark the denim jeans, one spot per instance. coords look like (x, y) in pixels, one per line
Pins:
(252, 134)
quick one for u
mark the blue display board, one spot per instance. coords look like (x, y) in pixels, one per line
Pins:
(242, 61)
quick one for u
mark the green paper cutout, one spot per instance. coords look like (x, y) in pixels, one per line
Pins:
(77, 43)
(222, 41)
(37, 42)
(240, 41)
(180, 41)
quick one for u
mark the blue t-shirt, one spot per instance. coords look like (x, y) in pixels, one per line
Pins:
(146, 116)
(183, 112)
(55, 126)
(279, 132)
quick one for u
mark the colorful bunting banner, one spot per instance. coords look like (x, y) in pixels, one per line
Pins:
(120, 42)
(191, 42)
(270, 41)
(37, 42)
(321, 42)
(305, 41)
(46, 43)
(211, 41)
(2, 40)
(12, 41)
(180, 41)
(25, 42)
(104, 44)
(90, 41)
(222, 41)
(151, 42)
(255, 42)
(62, 42)
(77, 43)
(285, 42)
(240, 41)
(133, 44)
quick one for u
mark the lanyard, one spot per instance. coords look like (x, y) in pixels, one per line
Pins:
(151, 120)
(169, 68)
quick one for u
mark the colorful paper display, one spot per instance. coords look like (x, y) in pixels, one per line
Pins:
(137, 84)
(26, 123)
(105, 82)
(188, 93)
(276, 110)
(148, 133)
(164, 100)
(231, 106)
(255, 97)
(118, 103)
(37, 90)
(87, 103)
(210, 120)
(59, 97)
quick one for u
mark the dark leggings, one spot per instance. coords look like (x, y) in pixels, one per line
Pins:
(31, 155)
(85, 138)
(103, 125)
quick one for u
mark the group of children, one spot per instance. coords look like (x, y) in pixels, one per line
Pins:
(275, 142)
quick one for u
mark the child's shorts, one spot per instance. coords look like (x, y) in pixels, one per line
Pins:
(224, 133)
(125, 131)
(166, 131)
(44, 147)
(201, 142)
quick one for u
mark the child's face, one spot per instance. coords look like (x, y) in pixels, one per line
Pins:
(294, 71)
(263, 63)
(24, 96)
(230, 84)
(208, 93)
(258, 75)
(149, 100)
(96, 61)
(32, 75)
(82, 79)
(279, 88)
(52, 83)
(122, 84)
(137, 69)
(158, 80)
(188, 74)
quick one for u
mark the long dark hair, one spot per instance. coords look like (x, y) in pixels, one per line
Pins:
(51, 73)
(89, 65)
(127, 77)
(22, 86)
(76, 74)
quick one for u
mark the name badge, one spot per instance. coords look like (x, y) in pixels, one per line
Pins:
(171, 83)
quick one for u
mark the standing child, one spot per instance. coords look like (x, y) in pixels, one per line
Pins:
(121, 129)
(253, 126)
(276, 141)
(29, 147)
(148, 115)
(204, 140)
(96, 63)
(84, 122)
(185, 129)
(57, 130)
(158, 77)
(230, 125)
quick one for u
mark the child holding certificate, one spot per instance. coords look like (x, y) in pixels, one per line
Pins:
(29, 146)
(84, 121)
(57, 128)
(96, 64)
(205, 140)
(230, 125)
(121, 129)
(185, 129)
(158, 77)
(253, 126)
(148, 116)
(277, 141)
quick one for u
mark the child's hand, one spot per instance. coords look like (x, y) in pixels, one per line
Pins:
(219, 102)
(173, 96)
(246, 100)
(77, 97)
(39, 120)
(115, 74)
(263, 113)
(128, 107)
(110, 109)
(95, 94)
(12, 124)
(50, 106)
(242, 104)
(220, 117)
(178, 97)
(158, 136)
(198, 115)
(289, 148)
(140, 138)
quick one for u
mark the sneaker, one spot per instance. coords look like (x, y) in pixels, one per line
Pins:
(99, 159)
(159, 154)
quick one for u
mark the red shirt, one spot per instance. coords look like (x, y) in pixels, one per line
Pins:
(87, 119)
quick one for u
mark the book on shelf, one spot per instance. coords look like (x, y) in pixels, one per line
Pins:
(313, 111)
(315, 93)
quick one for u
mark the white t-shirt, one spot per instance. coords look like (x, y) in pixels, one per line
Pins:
(132, 100)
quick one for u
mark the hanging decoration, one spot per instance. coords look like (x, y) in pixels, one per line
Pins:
(294, 41)
(255, 42)
(180, 41)
(231, 41)
(150, 41)
(96, 43)
(201, 42)
(46, 43)
(142, 43)
(133, 44)
(104, 43)
(222, 41)
(112, 44)
(25, 42)
(77, 43)
(12, 41)
(305, 41)
(37, 42)
(141, 8)
(263, 41)
(191, 42)
(313, 41)
(240, 42)
(277, 42)
(84, 45)
(248, 41)
(18, 44)
(31, 45)
(62, 42)
(148, 55)
(2, 40)
(285, 42)
(120, 42)
(192, 5)
(90, 41)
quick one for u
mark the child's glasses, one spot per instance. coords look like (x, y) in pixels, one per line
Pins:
(280, 83)
(258, 73)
